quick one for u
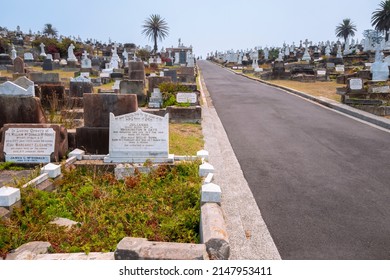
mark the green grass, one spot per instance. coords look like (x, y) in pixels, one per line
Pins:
(185, 139)
(9, 166)
(161, 206)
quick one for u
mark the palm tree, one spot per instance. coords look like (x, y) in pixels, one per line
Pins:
(155, 28)
(49, 30)
(380, 19)
(345, 29)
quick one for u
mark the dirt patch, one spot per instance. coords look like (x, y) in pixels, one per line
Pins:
(324, 89)
(11, 178)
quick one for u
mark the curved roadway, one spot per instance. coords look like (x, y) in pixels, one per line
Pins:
(320, 179)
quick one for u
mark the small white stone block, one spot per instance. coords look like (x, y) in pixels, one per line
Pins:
(41, 178)
(71, 160)
(77, 153)
(9, 196)
(211, 193)
(52, 170)
(203, 154)
(205, 169)
(208, 179)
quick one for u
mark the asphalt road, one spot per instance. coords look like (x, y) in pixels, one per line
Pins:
(320, 179)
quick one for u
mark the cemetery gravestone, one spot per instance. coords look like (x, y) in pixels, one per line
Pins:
(5, 59)
(156, 99)
(355, 84)
(33, 143)
(340, 68)
(47, 65)
(28, 57)
(94, 136)
(187, 97)
(155, 81)
(172, 74)
(80, 85)
(18, 103)
(19, 65)
(138, 137)
(136, 70)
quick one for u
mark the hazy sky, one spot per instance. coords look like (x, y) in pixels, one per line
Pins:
(206, 25)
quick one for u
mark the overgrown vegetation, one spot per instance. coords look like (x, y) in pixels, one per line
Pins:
(160, 206)
(169, 91)
(9, 166)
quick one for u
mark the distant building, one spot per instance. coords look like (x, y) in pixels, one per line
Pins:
(179, 54)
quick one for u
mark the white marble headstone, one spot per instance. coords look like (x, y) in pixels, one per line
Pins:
(137, 137)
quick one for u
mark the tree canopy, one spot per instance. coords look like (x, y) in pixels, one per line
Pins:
(380, 19)
(155, 28)
(345, 29)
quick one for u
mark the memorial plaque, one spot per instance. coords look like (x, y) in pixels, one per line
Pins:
(137, 137)
(321, 72)
(186, 97)
(340, 68)
(355, 84)
(379, 89)
(29, 145)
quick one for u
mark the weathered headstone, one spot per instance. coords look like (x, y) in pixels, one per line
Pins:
(156, 99)
(5, 59)
(93, 137)
(33, 143)
(340, 68)
(355, 84)
(86, 63)
(80, 85)
(44, 78)
(172, 74)
(154, 82)
(19, 65)
(28, 56)
(138, 137)
(47, 65)
(136, 70)
(134, 87)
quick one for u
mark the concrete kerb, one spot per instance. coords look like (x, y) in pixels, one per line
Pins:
(214, 243)
(362, 115)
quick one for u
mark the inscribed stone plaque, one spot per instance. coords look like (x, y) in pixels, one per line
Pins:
(379, 89)
(186, 97)
(356, 84)
(29, 145)
(138, 136)
(340, 68)
(321, 72)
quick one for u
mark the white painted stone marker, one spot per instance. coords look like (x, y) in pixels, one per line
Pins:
(9, 196)
(211, 193)
(203, 154)
(77, 153)
(53, 170)
(205, 169)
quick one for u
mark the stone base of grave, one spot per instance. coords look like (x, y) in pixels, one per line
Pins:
(93, 140)
(111, 159)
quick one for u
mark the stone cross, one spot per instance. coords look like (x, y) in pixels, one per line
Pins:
(42, 45)
(85, 54)
(306, 43)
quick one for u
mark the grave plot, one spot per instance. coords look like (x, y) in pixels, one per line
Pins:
(160, 206)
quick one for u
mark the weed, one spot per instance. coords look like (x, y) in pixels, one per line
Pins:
(160, 206)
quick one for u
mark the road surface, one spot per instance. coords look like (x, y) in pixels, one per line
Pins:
(321, 179)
